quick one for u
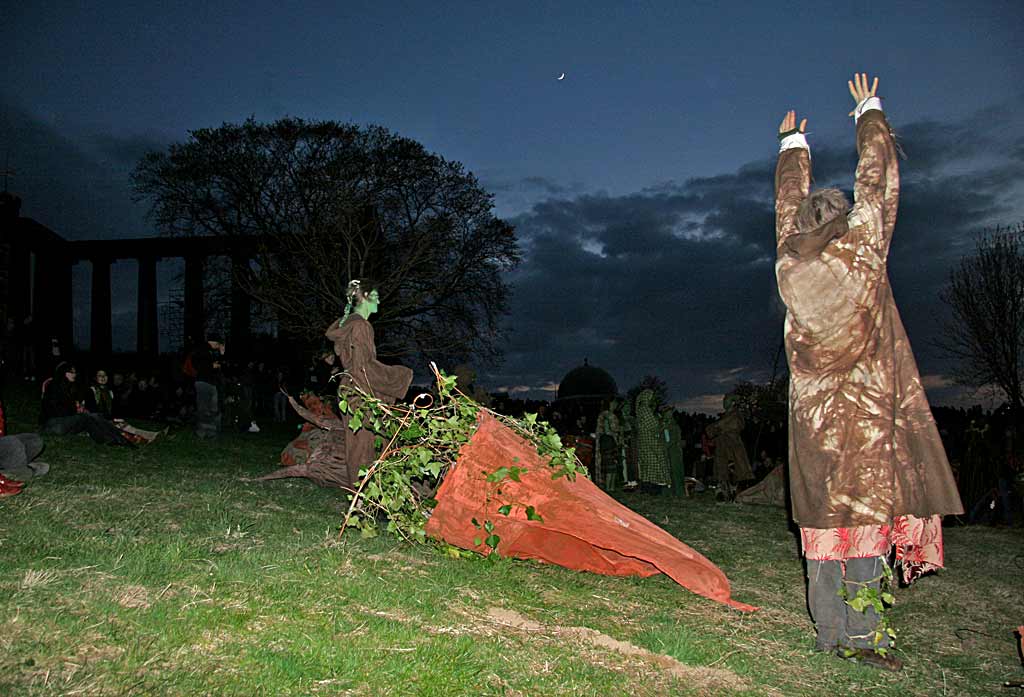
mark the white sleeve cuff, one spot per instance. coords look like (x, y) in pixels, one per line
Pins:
(795, 140)
(867, 105)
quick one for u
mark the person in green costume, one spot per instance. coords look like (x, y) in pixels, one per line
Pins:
(652, 454)
(674, 445)
(607, 455)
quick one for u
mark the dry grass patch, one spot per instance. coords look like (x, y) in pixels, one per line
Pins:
(37, 578)
(133, 597)
(595, 647)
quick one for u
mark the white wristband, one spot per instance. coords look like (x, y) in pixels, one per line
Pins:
(795, 140)
(867, 105)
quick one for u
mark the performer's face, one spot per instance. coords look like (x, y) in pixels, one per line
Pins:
(371, 302)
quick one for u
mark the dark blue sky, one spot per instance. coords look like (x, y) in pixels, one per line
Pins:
(640, 184)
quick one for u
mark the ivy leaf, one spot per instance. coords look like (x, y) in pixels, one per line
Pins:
(532, 514)
(506, 509)
(477, 541)
(412, 432)
(492, 541)
(356, 422)
(498, 474)
(343, 405)
(888, 598)
(514, 472)
(476, 523)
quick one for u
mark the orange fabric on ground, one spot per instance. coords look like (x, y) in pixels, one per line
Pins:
(583, 528)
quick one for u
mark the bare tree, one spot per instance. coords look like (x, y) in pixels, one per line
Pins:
(320, 203)
(986, 295)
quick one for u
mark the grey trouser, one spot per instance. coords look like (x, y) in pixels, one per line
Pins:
(838, 624)
(16, 452)
(207, 410)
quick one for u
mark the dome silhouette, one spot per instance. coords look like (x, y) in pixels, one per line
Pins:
(587, 382)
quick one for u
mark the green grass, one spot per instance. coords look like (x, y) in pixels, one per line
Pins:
(159, 571)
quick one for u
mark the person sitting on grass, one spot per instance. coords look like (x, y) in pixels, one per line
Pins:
(18, 455)
(100, 400)
(62, 413)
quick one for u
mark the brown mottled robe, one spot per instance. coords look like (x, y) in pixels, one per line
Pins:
(334, 461)
(354, 345)
(727, 433)
(863, 446)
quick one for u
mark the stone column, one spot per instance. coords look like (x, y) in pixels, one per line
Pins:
(195, 321)
(241, 308)
(148, 335)
(102, 339)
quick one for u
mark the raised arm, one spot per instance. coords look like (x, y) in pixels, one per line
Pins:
(876, 190)
(792, 175)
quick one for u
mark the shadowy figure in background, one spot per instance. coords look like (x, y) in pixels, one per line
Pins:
(732, 465)
(867, 469)
(206, 362)
(607, 454)
(674, 445)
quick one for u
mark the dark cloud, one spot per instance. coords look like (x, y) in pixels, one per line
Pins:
(126, 151)
(678, 279)
(79, 191)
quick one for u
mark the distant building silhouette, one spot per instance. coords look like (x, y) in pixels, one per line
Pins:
(582, 393)
(36, 292)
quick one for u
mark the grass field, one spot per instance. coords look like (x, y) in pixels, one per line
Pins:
(159, 571)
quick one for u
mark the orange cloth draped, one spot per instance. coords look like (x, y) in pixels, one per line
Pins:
(583, 528)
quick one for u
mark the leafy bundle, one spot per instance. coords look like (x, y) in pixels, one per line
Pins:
(420, 443)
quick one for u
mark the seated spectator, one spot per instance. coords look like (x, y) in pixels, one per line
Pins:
(63, 413)
(100, 400)
(18, 455)
(122, 392)
(142, 402)
(17, 458)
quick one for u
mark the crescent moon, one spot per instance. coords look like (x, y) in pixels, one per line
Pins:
(561, 77)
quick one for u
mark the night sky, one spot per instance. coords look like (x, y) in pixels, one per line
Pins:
(640, 185)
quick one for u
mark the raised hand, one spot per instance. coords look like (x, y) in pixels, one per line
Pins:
(789, 123)
(859, 88)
